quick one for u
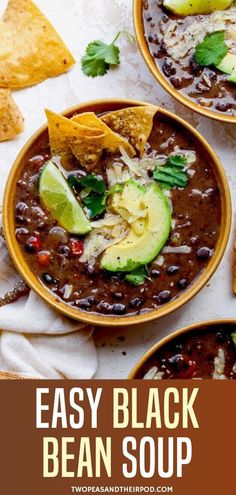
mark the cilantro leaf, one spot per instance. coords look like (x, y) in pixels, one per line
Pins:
(212, 49)
(176, 161)
(96, 204)
(172, 174)
(94, 183)
(103, 51)
(74, 182)
(137, 276)
(94, 67)
(99, 56)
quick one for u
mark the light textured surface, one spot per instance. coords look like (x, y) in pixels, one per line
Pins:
(80, 21)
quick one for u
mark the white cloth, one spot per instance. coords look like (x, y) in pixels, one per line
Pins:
(35, 340)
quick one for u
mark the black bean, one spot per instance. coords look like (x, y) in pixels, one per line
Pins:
(148, 17)
(203, 253)
(21, 219)
(223, 107)
(195, 69)
(83, 304)
(21, 234)
(168, 68)
(91, 299)
(91, 270)
(176, 82)
(182, 284)
(21, 208)
(64, 250)
(119, 309)
(172, 270)
(153, 38)
(136, 302)
(104, 307)
(155, 273)
(164, 296)
(47, 278)
(220, 337)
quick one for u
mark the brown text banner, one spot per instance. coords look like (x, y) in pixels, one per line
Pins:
(102, 436)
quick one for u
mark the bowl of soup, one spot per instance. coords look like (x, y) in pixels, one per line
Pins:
(180, 49)
(205, 350)
(117, 212)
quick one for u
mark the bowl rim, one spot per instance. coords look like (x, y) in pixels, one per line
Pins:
(201, 326)
(103, 320)
(156, 72)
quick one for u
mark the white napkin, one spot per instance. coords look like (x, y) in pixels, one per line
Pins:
(35, 340)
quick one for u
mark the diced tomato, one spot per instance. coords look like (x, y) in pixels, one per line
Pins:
(77, 247)
(187, 372)
(44, 258)
(33, 244)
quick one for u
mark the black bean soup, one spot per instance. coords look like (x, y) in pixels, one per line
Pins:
(205, 354)
(205, 85)
(196, 224)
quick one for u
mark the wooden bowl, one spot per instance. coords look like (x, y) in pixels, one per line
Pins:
(100, 106)
(201, 326)
(159, 76)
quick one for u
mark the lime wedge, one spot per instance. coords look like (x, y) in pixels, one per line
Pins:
(60, 201)
(188, 7)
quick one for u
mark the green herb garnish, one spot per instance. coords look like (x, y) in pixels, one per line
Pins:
(172, 174)
(99, 56)
(212, 49)
(233, 336)
(137, 276)
(96, 204)
(176, 161)
(94, 183)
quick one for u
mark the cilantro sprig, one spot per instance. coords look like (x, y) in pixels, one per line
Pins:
(99, 56)
(137, 276)
(93, 192)
(212, 49)
(172, 174)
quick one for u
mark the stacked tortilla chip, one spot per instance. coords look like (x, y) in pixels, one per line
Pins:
(85, 135)
(30, 52)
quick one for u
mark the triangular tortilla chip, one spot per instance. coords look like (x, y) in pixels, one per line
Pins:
(112, 141)
(30, 48)
(68, 137)
(135, 123)
(11, 120)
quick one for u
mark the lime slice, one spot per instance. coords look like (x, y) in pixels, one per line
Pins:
(188, 7)
(59, 200)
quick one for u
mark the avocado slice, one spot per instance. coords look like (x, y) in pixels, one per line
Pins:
(136, 250)
(228, 66)
(191, 7)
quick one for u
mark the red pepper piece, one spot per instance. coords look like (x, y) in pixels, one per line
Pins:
(187, 372)
(33, 244)
(44, 258)
(77, 247)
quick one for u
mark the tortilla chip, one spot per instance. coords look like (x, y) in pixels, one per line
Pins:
(67, 137)
(112, 141)
(30, 48)
(11, 120)
(135, 123)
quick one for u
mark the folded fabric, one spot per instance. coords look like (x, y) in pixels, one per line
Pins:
(36, 340)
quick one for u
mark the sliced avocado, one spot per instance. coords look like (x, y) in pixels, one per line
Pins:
(190, 7)
(228, 66)
(136, 250)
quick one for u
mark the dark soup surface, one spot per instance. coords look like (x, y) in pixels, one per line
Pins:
(209, 353)
(153, 222)
(173, 42)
